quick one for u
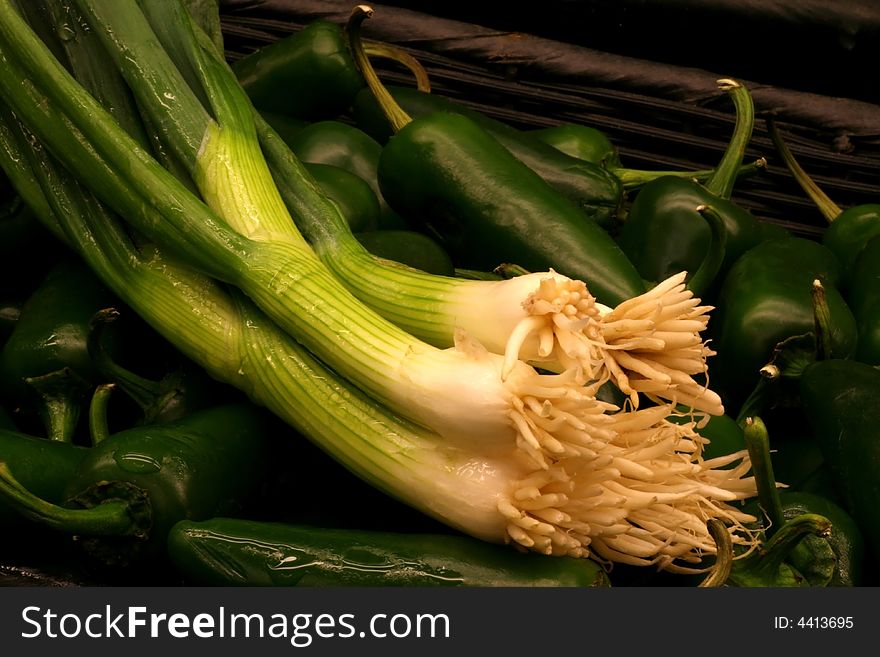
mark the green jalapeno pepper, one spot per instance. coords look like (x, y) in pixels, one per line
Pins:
(841, 399)
(848, 230)
(484, 206)
(181, 388)
(591, 188)
(849, 235)
(579, 170)
(409, 248)
(356, 200)
(229, 552)
(845, 538)
(795, 548)
(46, 355)
(664, 234)
(314, 61)
(581, 141)
(766, 298)
(348, 147)
(44, 467)
(129, 489)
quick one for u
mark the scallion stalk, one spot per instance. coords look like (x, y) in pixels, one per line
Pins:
(634, 490)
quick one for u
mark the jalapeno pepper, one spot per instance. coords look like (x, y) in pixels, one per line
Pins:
(356, 201)
(44, 467)
(46, 355)
(591, 188)
(767, 298)
(795, 548)
(345, 146)
(409, 248)
(229, 552)
(182, 388)
(845, 538)
(484, 206)
(848, 230)
(664, 234)
(849, 236)
(841, 399)
(131, 487)
(314, 61)
(582, 142)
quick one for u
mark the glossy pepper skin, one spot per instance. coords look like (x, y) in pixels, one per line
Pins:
(409, 248)
(765, 299)
(841, 399)
(846, 539)
(486, 207)
(47, 350)
(356, 200)
(43, 466)
(210, 462)
(581, 141)
(345, 146)
(664, 233)
(227, 552)
(850, 232)
(595, 191)
(314, 61)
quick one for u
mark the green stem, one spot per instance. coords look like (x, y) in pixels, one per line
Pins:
(62, 395)
(86, 58)
(395, 114)
(722, 180)
(778, 548)
(829, 209)
(125, 176)
(99, 430)
(161, 88)
(143, 391)
(821, 321)
(710, 266)
(758, 444)
(380, 50)
(111, 518)
(635, 178)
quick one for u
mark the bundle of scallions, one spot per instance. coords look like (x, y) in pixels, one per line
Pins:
(127, 133)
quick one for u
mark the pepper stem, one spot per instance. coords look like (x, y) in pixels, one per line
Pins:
(112, 518)
(722, 180)
(395, 114)
(821, 321)
(387, 51)
(98, 427)
(776, 550)
(711, 264)
(635, 178)
(148, 394)
(62, 395)
(758, 444)
(829, 209)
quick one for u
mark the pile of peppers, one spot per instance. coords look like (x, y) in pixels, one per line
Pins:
(125, 453)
